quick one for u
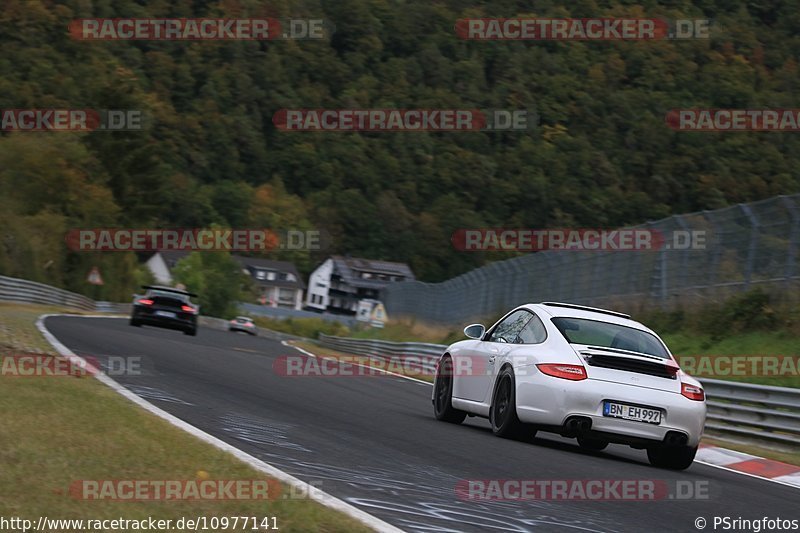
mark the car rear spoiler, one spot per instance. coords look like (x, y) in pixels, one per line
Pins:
(169, 289)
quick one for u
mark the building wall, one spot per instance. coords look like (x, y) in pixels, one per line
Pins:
(272, 294)
(158, 267)
(318, 286)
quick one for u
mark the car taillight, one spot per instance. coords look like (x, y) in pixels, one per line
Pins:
(145, 302)
(249, 324)
(188, 309)
(571, 372)
(693, 392)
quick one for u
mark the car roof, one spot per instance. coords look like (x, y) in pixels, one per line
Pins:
(243, 318)
(569, 310)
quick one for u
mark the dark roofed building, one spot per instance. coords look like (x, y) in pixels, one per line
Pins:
(279, 282)
(339, 283)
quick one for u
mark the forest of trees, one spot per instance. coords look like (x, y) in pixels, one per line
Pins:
(602, 155)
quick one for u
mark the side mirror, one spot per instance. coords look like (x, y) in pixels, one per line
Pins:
(475, 331)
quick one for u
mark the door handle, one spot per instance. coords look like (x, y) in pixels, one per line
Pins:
(491, 359)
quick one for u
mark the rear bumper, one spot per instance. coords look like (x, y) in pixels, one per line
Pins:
(548, 402)
(251, 331)
(181, 323)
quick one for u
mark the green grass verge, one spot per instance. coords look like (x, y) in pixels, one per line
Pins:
(309, 328)
(753, 344)
(57, 430)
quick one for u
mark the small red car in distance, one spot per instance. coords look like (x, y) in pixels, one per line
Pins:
(165, 307)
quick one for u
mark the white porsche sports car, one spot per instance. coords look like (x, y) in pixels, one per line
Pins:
(578, 371)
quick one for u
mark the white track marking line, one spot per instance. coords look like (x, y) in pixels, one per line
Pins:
(313, 493)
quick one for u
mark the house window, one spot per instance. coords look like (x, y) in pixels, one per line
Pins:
(259, 274)
(290, 277)
(270, 276)
(286, 296)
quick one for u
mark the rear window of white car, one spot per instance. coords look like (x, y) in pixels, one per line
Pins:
(607, 335)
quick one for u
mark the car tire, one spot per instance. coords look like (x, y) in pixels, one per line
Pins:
(192, 332)
(592, 444)
(671, 457)
(503, 411)
(443, 394)
(135, 323)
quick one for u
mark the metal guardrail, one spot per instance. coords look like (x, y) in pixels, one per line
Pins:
(735, 410)
(113, 307)
(425, 354)
(752, 411)
(21, 290)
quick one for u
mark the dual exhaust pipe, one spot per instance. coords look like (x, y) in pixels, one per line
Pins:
(579, 425)
(676, 439)
(576, 425)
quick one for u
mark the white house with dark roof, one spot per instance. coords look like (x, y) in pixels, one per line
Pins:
(279, 283)
(161, 264)
(340, 283)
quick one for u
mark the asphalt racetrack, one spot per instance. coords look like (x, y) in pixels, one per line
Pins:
(373, 441)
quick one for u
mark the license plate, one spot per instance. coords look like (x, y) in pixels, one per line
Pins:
(632, 412)
(166, 314)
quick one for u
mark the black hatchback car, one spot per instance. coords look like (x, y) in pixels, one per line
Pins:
(165, 307)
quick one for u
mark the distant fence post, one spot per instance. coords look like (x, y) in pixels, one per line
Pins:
(791, 256)
(752, 247)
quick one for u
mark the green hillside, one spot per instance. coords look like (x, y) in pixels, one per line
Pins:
(210, 154)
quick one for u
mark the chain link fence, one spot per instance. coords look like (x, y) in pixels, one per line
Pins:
(746, 246)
